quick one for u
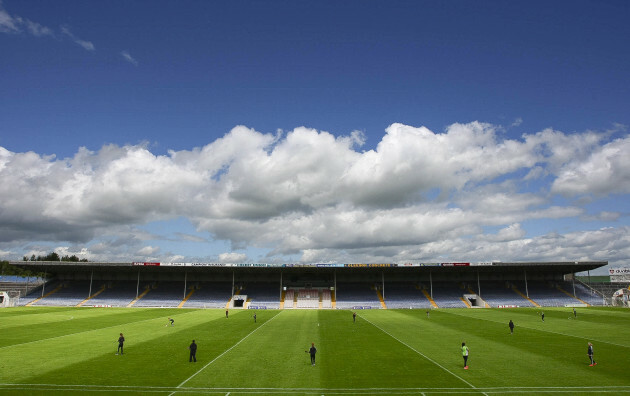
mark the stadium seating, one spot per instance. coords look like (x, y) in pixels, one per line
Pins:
(69, 293)
(546, 294)
(585, 294)
(263, 294)
(162, 294)
(500, 294)
(349, 295)
(448, 295)
(289, 298)
(356, 295)
(209, 295)
(308, 298)
(405, 295)
(115, 294)
(326, 299)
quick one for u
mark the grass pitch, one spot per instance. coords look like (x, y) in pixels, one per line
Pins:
(57, 351)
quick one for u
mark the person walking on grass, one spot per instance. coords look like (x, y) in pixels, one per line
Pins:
(465, 355)
(511, 325)
(312, 352)
(193, 352)
(354, 317)
(590, 355)
(121, 341)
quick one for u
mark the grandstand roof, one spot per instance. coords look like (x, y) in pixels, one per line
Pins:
(564, 267)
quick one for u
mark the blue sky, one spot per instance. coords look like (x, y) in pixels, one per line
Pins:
(315, 131)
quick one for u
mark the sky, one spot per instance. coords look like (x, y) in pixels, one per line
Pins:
(315, 131)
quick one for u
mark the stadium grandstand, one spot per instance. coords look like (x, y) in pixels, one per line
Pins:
(309, 286)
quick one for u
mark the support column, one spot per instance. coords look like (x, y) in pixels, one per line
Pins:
(573, 281)
(185, 279)
(280, 286)
(232, 283)
(526, 290)
(431, 283)
(478, 284)
(383, 283)
(91, 277)
(44, 284)
(138, 285)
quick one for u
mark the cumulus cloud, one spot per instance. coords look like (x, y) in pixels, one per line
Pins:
(418, 195)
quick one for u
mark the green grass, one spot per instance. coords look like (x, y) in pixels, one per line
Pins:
(57, 351)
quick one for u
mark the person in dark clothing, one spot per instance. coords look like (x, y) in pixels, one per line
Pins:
(312, 352)
(254, 317)
(590, 355)
(121, 341)
(542, 315)
(193, 352)
(227, 312)
(574, 313)
(354, 317)
(511, 325)
(172, 321)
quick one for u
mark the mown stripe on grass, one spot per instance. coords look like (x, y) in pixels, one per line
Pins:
(319, 391)
(228, 350)
(453, 312)
(419, 353)
(118, 325)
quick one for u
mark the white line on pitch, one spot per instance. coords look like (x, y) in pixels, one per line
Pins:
(422, 354)
(226, 351)
(542, 330)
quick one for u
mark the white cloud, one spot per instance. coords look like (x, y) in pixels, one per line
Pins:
(232, 258)
(126, 56)
(309, 194)
(38, 30)
(9, 24)
(16, 25)
(87, 45)
(605, 170)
